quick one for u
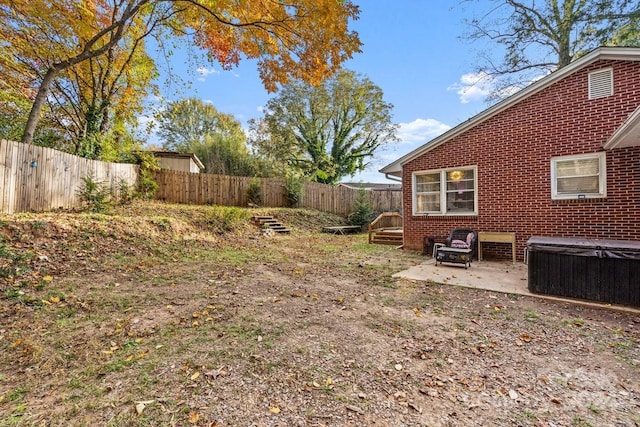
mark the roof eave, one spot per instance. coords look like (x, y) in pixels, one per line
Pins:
(597, 54)
(197, 161)
(627, 135)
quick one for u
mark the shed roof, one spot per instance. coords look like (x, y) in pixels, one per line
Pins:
(627, 135)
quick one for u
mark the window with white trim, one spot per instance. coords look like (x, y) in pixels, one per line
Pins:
(579, 177)
(445, 192)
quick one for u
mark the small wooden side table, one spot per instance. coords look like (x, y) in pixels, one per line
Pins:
(497, 237)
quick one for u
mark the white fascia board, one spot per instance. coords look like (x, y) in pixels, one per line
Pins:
(627, 135)
(603, 53)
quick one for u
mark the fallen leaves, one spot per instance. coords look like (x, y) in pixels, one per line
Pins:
(194, 417)
(328, 366)
(141, 405)
(355, 409)
(525, 337)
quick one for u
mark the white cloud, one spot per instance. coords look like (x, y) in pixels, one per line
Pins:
(474, 86)
(412, 135)
(205, 72)
(421, 130)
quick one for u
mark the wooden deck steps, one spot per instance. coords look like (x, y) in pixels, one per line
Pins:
(387, 237)
(386, 229)
(269, 222)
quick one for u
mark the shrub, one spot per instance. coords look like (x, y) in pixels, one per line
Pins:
(294, 187)
(362, 212)
(225, 218)
(125, 192)
(146, 185)
(94, 195)
(254, 192)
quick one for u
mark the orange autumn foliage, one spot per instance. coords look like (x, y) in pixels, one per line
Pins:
(301, 39)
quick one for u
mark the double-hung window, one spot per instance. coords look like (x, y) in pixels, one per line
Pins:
(445, 192)
(579, 177)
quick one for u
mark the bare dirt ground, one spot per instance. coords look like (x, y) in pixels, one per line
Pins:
(160, 315)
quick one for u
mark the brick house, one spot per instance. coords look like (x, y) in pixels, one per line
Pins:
(559, 158)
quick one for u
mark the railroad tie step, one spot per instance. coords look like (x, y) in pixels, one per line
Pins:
(270, 223)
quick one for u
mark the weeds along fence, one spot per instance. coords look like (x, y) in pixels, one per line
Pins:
(194, 188)
(39, 179)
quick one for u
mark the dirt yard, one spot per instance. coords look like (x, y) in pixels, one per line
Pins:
(160, 315)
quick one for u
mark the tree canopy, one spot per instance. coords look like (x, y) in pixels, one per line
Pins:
(193, 126)
(538, 37)
(187, 121)
(41, 39)
(327, 131)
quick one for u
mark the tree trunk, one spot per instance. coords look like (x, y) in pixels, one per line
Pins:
(114, 32)
(38, 103)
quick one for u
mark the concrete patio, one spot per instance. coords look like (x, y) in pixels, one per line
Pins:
(497, 276)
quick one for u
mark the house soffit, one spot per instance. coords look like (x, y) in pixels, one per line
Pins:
(627, 135)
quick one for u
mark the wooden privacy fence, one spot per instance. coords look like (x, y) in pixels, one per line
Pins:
(201, 189)
(36, 178)
(194, 188)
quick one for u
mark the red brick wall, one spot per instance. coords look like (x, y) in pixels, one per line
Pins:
(512, 152)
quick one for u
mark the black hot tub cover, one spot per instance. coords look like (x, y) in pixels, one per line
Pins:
(599, 248)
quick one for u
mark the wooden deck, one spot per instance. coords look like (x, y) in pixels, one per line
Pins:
(387, 236)
(386, 229)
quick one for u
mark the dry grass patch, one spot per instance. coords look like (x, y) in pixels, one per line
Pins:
(180, 315)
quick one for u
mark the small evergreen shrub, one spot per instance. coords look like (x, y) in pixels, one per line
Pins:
(94, 195)
(294, 188)
(125, 192)
(362, 213)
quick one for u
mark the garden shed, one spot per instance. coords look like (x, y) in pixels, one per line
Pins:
(184, 162)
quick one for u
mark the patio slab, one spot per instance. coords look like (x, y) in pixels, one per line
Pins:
(499, 276)
(496, 276)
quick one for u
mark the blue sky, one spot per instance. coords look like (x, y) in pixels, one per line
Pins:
(411, 49)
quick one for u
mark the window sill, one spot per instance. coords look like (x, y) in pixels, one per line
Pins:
(593, 200)
(446, 217)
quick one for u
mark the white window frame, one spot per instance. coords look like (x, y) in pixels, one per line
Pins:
(443, 191)
(602, 177)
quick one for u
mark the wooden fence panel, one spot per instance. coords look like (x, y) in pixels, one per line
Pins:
(36, 178)
(194, 188)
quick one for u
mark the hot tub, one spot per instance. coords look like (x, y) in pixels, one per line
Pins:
(606, 271)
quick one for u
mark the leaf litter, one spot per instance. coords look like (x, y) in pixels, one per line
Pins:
(147, 315)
